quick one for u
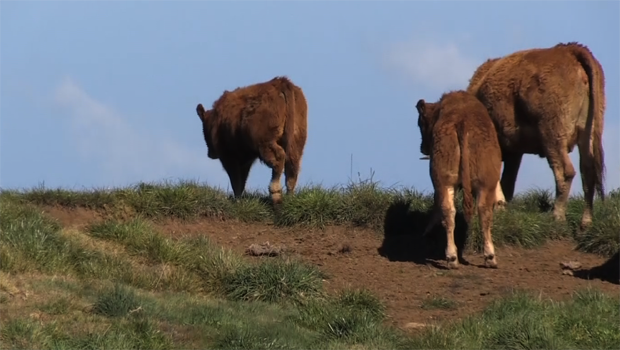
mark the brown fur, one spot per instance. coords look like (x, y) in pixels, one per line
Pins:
(459, 136)
(266, 121)
(546, 101)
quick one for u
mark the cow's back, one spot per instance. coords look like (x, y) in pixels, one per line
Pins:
(462, 113)
(250, 115)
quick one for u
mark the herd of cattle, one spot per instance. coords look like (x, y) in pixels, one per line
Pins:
(541, 101)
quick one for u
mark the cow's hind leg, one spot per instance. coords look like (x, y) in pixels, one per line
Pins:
(274, 156)
(448, 211)
(563, 171)
(291, 172)
(486, 198)
(588, 178)
(512, 163)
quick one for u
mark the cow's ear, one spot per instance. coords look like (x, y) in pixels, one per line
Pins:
(421, 106)
(200, 110)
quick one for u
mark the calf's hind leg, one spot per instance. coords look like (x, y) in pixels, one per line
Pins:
(448, 212)
(486, 198)
(500, 200)
(274, 156)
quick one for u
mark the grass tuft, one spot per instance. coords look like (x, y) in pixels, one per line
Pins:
(526, 321)
(438, 303)
(603, 235)
(115, 302)
(353, 316)
(273, 281)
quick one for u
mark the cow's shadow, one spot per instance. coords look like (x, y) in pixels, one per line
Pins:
(608, 271)
(403, 241)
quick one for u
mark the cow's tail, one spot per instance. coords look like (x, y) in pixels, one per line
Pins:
(596, 111)
(464, 174)
(288, 89)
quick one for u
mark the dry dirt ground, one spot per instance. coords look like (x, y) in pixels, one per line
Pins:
(362, 258)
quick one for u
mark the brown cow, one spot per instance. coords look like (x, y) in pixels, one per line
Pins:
(267, 121)
(544, 102)
(460, 139)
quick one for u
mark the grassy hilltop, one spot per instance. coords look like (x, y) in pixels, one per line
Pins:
(120, 283)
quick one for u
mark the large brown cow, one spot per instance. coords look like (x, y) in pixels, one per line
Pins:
(267, 121)
(545, 101)
(460, 139)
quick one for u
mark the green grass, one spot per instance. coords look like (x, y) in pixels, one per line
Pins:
(589, 320)
(121, 284)
(603, 236)
(32, 242)
(123, 317)
(439, 303)
(114, 316)
(526, 223)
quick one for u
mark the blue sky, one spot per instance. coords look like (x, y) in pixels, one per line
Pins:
(101, 94)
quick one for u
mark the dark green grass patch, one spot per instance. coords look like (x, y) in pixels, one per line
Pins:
(31, 241)
(523, 321)
(118, 301)
(351, 317)
(438, 303)
(124, 318)
(518, 228)
(134, 333)
(603, 235)
(527, 221)
(40, 195)
(273, 281)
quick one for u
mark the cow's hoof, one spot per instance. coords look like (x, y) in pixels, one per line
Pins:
(585, 223)
(490, 261)
(501, 206)
(453, 262)
(276, 198)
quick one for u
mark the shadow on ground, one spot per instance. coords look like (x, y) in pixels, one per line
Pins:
(403, 239)
(609, 271)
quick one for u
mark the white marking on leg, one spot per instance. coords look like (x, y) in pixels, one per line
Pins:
(485, 213)
(489, 249)
(449, 224)
(500, 200)
(275, 188)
